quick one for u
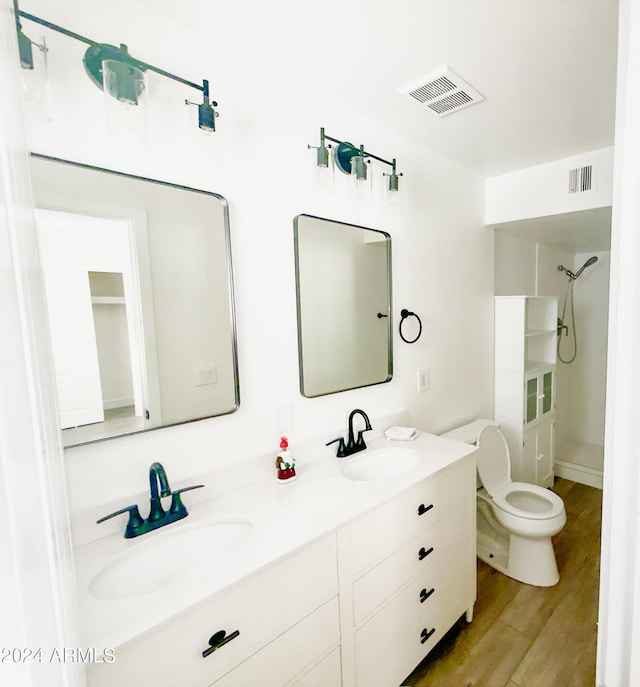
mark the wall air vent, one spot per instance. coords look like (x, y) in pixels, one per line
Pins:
(443, 92)
(580, 179)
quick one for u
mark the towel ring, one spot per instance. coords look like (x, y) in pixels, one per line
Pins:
(404, 314)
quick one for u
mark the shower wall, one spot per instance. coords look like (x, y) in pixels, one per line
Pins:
(530, 268)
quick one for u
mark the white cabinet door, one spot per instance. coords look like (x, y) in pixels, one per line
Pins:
(538, 455)
(539, 395)
(525, 471)
(75, 353)
(545, 454)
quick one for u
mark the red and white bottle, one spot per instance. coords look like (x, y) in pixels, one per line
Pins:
(285, 464)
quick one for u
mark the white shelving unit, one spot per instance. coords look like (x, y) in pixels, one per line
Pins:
(525, 381)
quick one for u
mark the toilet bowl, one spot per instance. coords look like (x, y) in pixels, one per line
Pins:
(516, 520)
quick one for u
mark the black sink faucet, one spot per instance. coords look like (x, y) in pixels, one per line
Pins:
(353, 444)
(158, 516)
(157, 479)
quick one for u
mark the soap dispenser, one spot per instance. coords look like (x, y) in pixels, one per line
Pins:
(285, 465)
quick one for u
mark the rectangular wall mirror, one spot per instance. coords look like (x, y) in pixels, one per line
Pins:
(139, 294)
(343, 289)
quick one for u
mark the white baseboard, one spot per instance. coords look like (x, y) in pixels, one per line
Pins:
(578, 473)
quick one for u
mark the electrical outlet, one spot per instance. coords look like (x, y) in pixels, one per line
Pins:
(206, 375)
(423, 380)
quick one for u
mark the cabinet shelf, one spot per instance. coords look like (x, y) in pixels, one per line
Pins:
(535, 365)
(107, 300)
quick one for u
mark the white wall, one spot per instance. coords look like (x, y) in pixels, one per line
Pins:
(442, 254)
(543, 190)
(588, 372)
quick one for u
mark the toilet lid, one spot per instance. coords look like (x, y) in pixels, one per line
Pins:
(494, 469)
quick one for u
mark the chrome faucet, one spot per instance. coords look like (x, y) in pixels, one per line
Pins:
(158, 517)
(353, 444)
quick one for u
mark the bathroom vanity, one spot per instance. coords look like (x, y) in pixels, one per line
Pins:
(343, 581)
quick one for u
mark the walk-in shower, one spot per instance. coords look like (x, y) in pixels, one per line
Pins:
(567, 311)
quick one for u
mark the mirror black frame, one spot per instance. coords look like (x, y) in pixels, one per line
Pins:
(230, 293)
(388, 315)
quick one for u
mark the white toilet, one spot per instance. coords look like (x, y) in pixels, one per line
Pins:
(515, 520)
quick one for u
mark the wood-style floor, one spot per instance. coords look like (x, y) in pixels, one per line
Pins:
(524, 636)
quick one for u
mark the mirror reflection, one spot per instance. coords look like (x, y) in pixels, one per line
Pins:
(343, 288)
(139, 293)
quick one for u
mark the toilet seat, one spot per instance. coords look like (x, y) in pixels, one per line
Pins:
(528, 501)
(516, 498)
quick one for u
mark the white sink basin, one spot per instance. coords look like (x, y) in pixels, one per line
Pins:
(169, 557)
(380, 463)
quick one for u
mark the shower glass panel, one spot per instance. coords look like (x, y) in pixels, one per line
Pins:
(532, 400)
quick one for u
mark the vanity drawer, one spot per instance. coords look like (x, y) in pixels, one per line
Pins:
(327, 673)
(278, 663)
(260, 608)
(422, 553)
(378, 534)
(390, 645)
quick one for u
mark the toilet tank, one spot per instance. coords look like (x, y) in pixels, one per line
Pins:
(469, 434)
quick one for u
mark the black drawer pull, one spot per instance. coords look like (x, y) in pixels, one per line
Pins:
(423, 553)
(217, 640)
(425, 635)
(422, 509)
(424, 594)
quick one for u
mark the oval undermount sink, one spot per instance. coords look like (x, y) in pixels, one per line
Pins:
(169, 557)
(380, 463)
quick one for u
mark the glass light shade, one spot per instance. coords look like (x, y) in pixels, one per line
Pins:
(358, 168)
(126, 101)
(35, 84)
(324, 174)
(205, 143)
(322, 156)
(361, 180)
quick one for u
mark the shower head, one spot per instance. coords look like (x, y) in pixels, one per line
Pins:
(589, 262)
(573, 276)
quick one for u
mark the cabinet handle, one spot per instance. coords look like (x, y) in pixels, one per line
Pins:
(423, 553)
(217, 640)
(426, 634)
(424, 594)
(422, 509)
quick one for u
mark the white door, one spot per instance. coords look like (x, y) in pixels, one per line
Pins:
(75, 353)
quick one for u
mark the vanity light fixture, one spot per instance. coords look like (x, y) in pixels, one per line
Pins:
(104, 62)
(352, 160)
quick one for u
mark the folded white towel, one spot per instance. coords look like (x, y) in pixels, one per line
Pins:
(401, 433)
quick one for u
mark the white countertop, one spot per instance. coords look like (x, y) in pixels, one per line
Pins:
(285, 517)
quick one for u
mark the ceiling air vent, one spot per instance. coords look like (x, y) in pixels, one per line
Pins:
(580, 179)
(443, 92)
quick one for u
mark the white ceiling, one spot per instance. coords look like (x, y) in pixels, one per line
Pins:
(546, 67)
